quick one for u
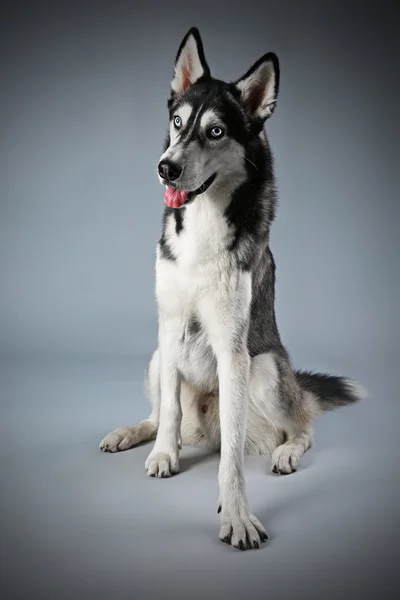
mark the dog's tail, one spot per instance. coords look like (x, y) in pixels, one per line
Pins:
(330, 391)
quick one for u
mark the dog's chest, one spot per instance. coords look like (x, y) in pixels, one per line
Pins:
(201, 269)
(202, 260)
(204, 236)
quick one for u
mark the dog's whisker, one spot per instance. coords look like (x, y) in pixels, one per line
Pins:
(251, 162)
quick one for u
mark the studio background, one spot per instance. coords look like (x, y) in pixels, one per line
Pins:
(84, 88)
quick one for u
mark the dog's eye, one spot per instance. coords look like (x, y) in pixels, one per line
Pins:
(177, 122)
(216, 132)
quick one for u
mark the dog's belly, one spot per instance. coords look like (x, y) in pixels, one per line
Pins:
(197, 363)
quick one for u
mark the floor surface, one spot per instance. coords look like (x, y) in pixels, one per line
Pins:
(77, 523)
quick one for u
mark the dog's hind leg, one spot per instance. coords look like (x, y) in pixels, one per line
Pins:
(286, 457)
(298, 430)
(280, 414)
(125, 438)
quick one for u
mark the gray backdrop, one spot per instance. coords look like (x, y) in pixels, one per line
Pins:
(83, 116)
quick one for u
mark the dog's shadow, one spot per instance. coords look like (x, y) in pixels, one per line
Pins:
(270, 513)
(270, 516)
(192, 456)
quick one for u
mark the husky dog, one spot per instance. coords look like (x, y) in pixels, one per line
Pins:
(220, 376)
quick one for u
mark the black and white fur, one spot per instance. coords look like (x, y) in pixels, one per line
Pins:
(220, 376)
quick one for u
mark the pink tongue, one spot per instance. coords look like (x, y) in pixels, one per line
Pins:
(174, 198)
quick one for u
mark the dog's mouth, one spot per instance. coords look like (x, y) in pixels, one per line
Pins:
(175, 198)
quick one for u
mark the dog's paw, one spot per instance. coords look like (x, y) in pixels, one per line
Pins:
(162, 464)
(286, 459)
(119, 439)
(239, 528)
(125, 438)
(242, 533)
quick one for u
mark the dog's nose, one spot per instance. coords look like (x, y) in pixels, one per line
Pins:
(169, 170)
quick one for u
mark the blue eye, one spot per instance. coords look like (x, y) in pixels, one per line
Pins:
(177, 122)
(216, 132)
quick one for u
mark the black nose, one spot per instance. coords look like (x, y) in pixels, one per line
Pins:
(168, 170)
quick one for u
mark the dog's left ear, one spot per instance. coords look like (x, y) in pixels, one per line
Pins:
(259, 87)
(190, 62)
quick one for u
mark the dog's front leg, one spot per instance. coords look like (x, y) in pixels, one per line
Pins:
(163, 460)
(238, 526)
(227, 328)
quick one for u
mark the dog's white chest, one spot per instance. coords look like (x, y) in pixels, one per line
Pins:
(202, 258)
(205, 234)
(200, 272)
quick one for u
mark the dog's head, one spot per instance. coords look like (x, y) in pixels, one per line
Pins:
(212, 123)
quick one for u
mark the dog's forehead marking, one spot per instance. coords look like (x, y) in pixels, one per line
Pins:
(184, 112)
(208, 117)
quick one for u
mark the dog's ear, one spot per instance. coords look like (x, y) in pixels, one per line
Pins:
(190, 62)
(259, 87)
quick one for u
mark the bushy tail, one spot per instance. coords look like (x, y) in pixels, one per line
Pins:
(330, 391)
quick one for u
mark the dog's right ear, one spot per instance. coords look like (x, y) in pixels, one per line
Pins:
(190, 62)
